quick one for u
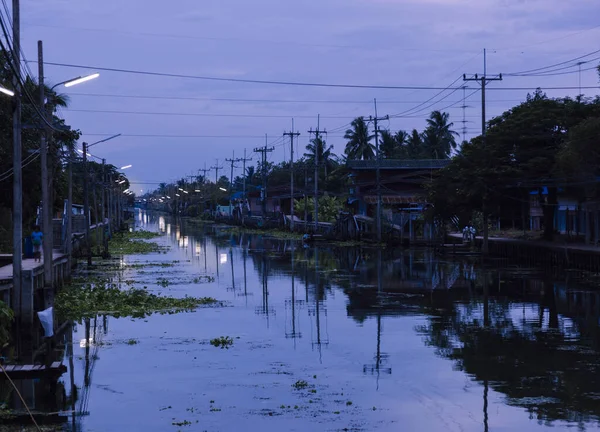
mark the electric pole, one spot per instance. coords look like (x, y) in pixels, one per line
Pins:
(86, 206)
(263, 151)
(292, 134)
(316, 141)
(483, 80)
(204, 179)
(46, 204)
(378, 168)
(216, 168)
(244, 173)
(17, 216)
(103, 213)
(233, 160)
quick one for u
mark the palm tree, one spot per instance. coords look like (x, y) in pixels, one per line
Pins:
(414, 145)
(439, 138)
(325, 156)
(359, 141)
(393, 146)
(249, 174)
(388, 147)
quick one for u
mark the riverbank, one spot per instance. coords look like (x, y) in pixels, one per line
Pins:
(279, 234)
(541, 252)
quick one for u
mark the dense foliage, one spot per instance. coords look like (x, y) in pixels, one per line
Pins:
(541, 144)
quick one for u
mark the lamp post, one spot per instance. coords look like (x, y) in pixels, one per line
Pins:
(86, 204)
(47, 227)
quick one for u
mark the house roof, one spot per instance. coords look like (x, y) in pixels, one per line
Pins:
(396, 164)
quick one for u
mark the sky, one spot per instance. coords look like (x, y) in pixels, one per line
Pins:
(173, 126)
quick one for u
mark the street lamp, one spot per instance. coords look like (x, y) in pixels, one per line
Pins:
(80, 80)
(86, 203)
(223, 189)
(7, 91)
(125, 167)
(46, 180)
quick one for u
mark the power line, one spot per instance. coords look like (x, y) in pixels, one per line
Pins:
(249, 40)
(285, 83)
(553, 65)
(292, 101)
(559, 73)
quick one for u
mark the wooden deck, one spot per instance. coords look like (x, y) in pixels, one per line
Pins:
(29, 264)
(32, 371)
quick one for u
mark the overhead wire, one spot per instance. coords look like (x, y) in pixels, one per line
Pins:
(32, 102)
(292, 101)
(553, 65)
(282, 83)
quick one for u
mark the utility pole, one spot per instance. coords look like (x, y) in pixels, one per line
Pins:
(483, 80)
(233, 160)
(216, 168)
(17, 216)
(69, 234)
(377, 167)
(46, 204)
(86, 207)
(317, 133)
(292, 134)
(244, 173)
(204, 171)
(104, 238)
(263, 151)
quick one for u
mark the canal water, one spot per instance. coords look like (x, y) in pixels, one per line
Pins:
(338, 339)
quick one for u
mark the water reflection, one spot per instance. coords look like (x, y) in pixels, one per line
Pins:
(531, 343)
(533, 339)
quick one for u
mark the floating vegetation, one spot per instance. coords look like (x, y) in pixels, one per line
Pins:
(300, 385)
(163, 282)
(203, 279)
(102, 297)
(182, 423)
(133, 342)
(143, 234)
(134, 243)
(223, 342)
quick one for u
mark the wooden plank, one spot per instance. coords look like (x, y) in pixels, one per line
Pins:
(27, 368)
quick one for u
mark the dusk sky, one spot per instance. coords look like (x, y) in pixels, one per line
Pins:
(191, 122)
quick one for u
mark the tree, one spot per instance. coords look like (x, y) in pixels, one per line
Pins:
(414, 145)
(439, 138)
(324, 153)
(359, 141)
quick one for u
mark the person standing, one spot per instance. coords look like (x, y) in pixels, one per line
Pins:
(37, 237)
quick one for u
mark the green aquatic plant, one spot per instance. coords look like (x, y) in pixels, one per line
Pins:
(223, 342)
(142, 234)
(102, 297)
(134, 243)
(163, 282)
(300, 385)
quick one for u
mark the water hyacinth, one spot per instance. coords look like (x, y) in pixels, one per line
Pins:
(103, 298)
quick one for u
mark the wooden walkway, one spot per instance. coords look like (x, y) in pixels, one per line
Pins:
(32, 371)
(29, 264)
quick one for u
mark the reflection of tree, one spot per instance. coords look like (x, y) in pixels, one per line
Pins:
(543, 370)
